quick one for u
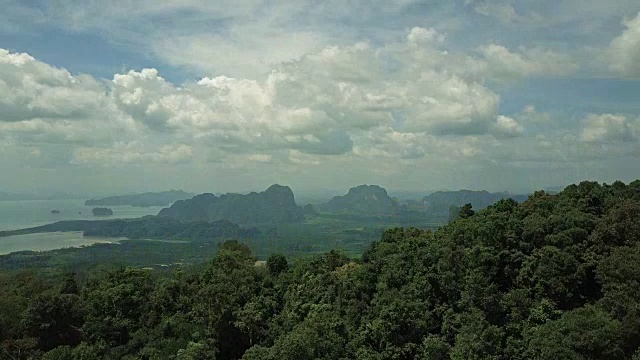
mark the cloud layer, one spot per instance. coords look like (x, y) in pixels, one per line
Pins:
(297, 102)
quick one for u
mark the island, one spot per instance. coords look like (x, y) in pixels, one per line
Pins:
(165, 198)
(99, 211)
(54, 211)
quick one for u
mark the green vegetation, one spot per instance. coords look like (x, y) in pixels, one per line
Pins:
(555, 277)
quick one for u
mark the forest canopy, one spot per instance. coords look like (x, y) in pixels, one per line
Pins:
(555, 277)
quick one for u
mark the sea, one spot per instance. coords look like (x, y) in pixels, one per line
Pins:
(16, 215)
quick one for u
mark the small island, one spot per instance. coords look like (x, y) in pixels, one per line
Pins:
(54, 211)
(100, 211)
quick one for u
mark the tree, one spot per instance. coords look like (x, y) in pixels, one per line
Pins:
(277, 263)
(59, 353)
(477, 339)
(196, 351)
(434, 347)
(115, 302)
(54, 320)
(70, 286)
(466, 211)
(584, 333)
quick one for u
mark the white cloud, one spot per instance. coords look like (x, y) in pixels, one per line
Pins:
(506, 127)
(32, 89)
(607, 128)
(499, 63)
(325, 103)
(353, 91)
(624, 50)
(42, 104)
(419, 36)
(408, 99)
(245, 53)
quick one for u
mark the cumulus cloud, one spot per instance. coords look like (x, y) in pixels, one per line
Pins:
(499, 63)
(624, 50)
(607, 128)
(405, 99)
(317, 104)
(506, 127)
(43, 104)
(32, 89)
(141, 95)
(255, 57)
(419, 36)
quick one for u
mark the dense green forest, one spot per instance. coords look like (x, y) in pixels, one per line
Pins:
(555, 277)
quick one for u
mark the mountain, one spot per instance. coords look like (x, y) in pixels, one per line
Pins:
(142, 200)
(275, 205)
(441, 201)
(363, 200)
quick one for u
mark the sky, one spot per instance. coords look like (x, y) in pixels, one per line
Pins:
(124, 96)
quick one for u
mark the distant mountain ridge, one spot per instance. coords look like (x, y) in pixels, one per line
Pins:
(164, 198)
(274, 205)
(363, 200)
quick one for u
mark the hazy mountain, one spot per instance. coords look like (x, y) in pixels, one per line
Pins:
(142, 200)
(365, 200)
(275, 205)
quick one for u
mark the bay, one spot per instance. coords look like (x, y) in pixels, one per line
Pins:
(23, 214)
(16, 215)
(49, 241)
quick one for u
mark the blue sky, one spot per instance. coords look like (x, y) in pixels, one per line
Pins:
(123, 96)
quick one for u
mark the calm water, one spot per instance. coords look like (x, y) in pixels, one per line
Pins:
(23, 214)
(49, 241)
